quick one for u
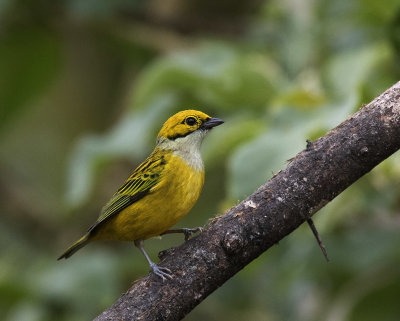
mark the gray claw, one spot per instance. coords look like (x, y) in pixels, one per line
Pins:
(189, 231)
(163, 272)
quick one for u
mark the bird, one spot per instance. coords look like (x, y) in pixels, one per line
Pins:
(159, 192)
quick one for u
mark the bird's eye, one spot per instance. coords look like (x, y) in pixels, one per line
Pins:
(190, 121)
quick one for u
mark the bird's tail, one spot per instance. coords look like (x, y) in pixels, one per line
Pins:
(75, 247)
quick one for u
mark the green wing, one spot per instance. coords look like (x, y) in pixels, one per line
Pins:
(143, 179)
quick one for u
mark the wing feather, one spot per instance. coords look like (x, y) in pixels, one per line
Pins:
(139, 184)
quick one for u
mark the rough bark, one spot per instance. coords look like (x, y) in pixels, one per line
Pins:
(312, 178)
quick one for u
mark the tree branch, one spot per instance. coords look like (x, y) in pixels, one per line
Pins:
(312, 179)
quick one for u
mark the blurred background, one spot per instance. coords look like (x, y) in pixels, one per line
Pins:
(85, 85)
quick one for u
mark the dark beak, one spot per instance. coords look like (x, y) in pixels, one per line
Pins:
(212, 122)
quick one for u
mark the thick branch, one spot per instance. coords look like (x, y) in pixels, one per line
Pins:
(312, 179)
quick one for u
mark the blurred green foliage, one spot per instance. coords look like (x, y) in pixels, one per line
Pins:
(86, 85)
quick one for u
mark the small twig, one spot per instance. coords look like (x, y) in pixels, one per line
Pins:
(319, 240)
(309, 144)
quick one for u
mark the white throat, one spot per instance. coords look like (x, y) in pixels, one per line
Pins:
(187, 148)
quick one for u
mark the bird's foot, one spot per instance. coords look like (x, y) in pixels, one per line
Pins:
(186, 231)
(163, 272)
(189, 231)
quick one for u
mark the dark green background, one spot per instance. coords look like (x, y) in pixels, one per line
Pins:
(85, 85)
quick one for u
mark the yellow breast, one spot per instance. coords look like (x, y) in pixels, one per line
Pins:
(171, 199)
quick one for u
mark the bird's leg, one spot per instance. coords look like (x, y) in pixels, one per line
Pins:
(319, 240)
(163, 272)
(187, 231)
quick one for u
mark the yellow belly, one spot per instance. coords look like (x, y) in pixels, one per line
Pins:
(163, 207)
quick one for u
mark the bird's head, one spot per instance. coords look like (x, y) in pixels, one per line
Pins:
(186, 128)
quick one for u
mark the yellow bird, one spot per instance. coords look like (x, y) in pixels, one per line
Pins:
(160, 191)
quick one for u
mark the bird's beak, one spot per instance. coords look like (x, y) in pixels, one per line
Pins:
(212, 122)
